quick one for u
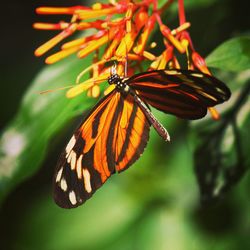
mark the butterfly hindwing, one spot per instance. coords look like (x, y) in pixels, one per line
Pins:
(110, 139)
(184, 93)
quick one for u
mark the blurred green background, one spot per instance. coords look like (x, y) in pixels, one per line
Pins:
(192, 193)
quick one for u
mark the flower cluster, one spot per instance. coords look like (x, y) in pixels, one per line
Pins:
(120, 31)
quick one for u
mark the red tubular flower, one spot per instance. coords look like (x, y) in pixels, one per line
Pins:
(149, 25)
(60, 10)
(123, 30)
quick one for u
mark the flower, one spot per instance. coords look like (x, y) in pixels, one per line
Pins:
(123, 29)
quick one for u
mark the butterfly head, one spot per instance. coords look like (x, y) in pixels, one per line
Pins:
(120, 83)
(114, 79)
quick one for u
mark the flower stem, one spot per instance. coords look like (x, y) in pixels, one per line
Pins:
(181, 9)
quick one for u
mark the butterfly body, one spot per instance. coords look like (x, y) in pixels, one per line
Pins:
(115, 133)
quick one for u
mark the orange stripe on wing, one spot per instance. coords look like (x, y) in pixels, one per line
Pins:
(132, 138)
(101, 153)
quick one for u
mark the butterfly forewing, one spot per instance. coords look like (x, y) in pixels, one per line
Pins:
(132, 134)
(110, 139)
(184, 93)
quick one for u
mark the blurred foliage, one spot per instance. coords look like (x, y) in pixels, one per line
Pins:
(233, 55)
(156, 203)
(23, 143)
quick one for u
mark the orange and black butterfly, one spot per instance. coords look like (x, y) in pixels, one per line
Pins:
(115, 133)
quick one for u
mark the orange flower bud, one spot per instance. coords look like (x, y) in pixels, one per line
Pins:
(144, 35)
(214, 113)
(200, 63)
(141, 18)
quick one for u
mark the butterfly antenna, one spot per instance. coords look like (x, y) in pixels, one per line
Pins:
(126, 62)
(78, 79)
(53, 90)
(113, 69)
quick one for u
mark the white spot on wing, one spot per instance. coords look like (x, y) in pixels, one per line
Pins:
(59, 175)
(72, 197)
(172, 72)
(63, 185)
(79, 167)
(72, 159)
(197, 75)
(86, 176)
(70, 145)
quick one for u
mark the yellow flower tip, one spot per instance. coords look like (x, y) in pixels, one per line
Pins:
(113, 2)
(48, 45)
(128, 16)
(181, 28)
(114, 44)
(205, 70)
(142, 42)
(125, 45)
(75, 43)
(200, 63)
(144, 35)
(166, 58)
(55, 40)
(176, 63)
(54, 10)
(97, 6)
(171, 65)
(214, 113)
(95, 91)
(89, 93)
(60, 55)
(78, 89)
(43, 26)
(93, 45)
(162, 64)
(50, 26)
(86, 25)
(50, 60)
(155, 64)
(153, 45)
(128, 26)
(120, 69)
(167, 33)
(134, 57)
(38, 52)
(185, 43)
(168, 53)
(149, 56)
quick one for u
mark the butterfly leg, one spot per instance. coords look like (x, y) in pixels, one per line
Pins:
(152, 119)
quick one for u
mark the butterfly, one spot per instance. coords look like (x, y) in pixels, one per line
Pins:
(116, 131)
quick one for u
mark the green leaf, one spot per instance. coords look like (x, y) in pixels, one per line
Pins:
(23, 143)
(222, 151)
(232, 55)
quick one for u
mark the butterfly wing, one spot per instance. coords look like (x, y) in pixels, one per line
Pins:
(110, 139)
(184, 93)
